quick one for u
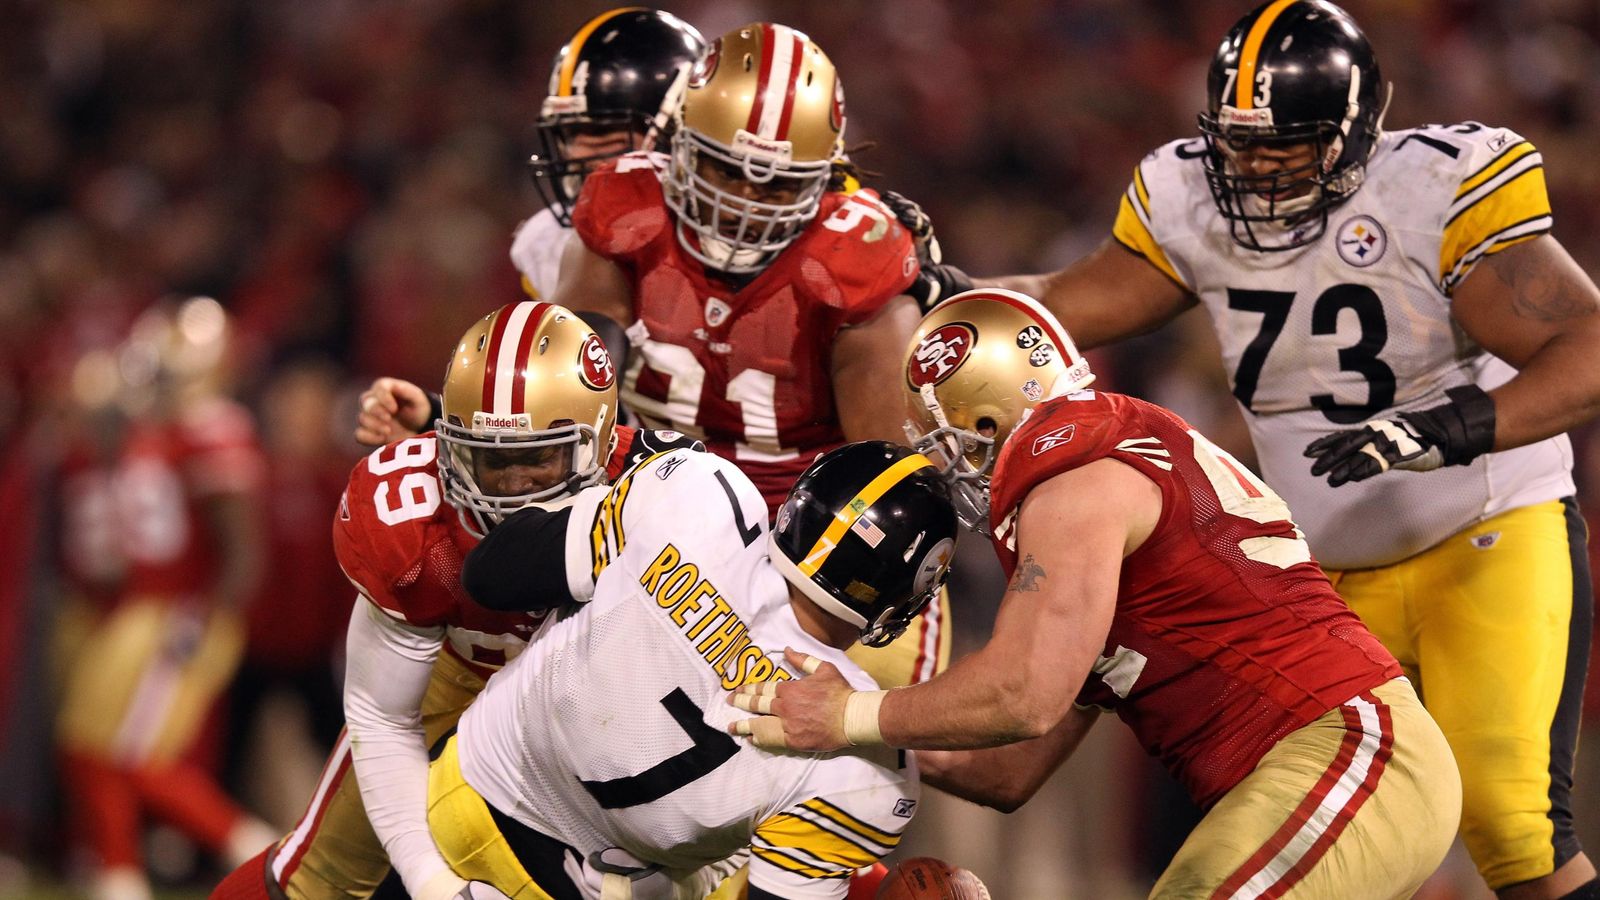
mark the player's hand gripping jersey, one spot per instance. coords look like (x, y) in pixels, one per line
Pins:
(743, 365)
(1356, 324)
(1226, 635)
(610, 731)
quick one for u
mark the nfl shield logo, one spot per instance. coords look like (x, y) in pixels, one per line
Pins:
(716, 311)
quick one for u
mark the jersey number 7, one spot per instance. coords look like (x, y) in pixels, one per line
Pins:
(711, 748)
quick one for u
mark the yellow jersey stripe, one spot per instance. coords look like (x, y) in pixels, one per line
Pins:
(789, 863)
(1140, 191)
(529, 289)
(790, 831)
(1244, 86)
(840, 817)
(570, 64)
(1495, 166)
(1518, 201)
(859, 504)
(1131, 232)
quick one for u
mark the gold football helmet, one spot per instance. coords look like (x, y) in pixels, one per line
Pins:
(761, 121)
(976, 365)
(527, 381)
(176, 353)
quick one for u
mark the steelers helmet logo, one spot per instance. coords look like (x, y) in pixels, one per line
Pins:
(1361, 241)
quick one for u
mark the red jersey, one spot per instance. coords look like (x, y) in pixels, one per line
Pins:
(402, 545)
(743, 365)
(1226, 634)
(166, 472)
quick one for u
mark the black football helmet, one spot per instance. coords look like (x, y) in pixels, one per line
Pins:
(867, 534)
(620, 72)
(1290, 74)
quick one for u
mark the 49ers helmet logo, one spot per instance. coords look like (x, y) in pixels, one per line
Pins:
(940, 354)
(706, 65)
(598, 372)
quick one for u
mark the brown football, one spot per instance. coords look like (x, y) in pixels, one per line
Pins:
(926, 878)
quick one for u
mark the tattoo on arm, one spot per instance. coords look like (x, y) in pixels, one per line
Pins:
(1538, 290)
(1027, 576)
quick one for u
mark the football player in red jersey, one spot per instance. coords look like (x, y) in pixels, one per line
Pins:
(529, 416)
(1153, 575)
(766, 306)
(160, 529)
(611, 89)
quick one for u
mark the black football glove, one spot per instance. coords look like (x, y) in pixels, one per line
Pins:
(935, 281)
(1451, 434)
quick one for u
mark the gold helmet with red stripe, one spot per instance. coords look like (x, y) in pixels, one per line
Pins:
(975, 367)
(526, 381)
(761, 122)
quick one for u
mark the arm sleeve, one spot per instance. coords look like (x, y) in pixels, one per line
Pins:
(809, 850)
(387, 670)
(521, 565)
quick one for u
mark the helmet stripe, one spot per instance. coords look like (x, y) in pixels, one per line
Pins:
(858, 505)
(1245, 84)
(491, 358)
(773, 106)
(796, 56)
(575, 46)
(502, 367)
(519, 361)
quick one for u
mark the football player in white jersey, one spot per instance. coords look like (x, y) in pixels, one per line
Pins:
(611, 87)
(1391, 304)
(608, 738)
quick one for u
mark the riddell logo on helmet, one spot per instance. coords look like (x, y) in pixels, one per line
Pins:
(940, 353)
(761, 148)
(1260, 117)
(482, 421)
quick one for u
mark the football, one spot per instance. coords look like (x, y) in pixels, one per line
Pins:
(927, 878)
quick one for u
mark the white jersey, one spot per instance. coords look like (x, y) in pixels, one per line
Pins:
(536, 250)
(1356, 325)
(611, 730)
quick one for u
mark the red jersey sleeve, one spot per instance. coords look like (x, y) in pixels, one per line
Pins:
(619, 209)
(386, 561)
(1063, 434)
(867, 256)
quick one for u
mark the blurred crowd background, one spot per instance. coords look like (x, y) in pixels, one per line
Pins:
(344, 176)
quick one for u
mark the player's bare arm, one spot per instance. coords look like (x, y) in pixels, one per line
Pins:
(1111, 294)
(1532, 306)
(866, 373)
(1050, 630)
(1006, 777)
(591, 283)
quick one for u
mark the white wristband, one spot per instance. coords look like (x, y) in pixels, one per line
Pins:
(861, 717)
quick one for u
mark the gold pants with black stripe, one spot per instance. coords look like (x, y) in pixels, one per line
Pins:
(1493, 626)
